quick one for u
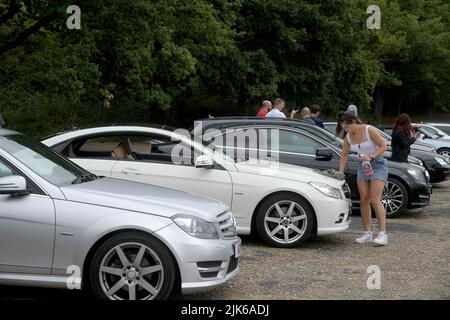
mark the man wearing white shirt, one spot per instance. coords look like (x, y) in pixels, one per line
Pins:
(277, 111)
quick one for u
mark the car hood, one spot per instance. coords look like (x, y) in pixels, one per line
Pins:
(286, 171)
(144, 198)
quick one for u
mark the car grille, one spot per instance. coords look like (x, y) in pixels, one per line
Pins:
(346, 190)
(227, 225)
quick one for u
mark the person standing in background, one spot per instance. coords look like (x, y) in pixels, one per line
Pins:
(315, 113)
(306, 116)
(277, 111)
(2, 122)
(353, 109)
(266, 106)
(403, 136)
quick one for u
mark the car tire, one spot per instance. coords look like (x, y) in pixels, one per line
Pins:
(284, 220)
(444, 152)
(132, 266)
(394, 198)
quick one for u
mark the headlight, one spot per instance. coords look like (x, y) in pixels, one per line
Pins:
(327, 190)
(416, 174)
(441, 161)
(196, 227)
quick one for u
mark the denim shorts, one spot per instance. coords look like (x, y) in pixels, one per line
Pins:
(380, 170)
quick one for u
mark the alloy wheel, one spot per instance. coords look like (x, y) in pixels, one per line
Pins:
(285, 221)
(445, 153)
(392, 198)
(131, 271)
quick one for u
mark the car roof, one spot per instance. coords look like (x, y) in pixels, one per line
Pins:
(7, 132)
(224, 122)
(438, 123)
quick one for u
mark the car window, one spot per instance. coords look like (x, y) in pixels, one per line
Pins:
(294, 142)
(437, 131)
(445, 129)
(5, 171)
(42, 160)
(100, 144)
(129, 147)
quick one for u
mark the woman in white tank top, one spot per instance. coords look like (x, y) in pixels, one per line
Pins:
(370, 146)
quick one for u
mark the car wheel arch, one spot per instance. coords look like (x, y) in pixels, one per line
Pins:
(442, 149)
(93, 249)
(405, 185)
(253, 230)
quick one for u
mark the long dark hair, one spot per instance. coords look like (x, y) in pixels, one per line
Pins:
(403, 122)
(347, 118)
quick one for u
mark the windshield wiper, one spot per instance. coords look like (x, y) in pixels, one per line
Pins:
(85, 178)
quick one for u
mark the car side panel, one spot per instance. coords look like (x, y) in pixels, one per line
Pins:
(27, 225)
(79, 226)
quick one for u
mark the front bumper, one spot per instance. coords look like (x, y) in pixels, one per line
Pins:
(203, 264)
(420, 195)
(333, 215)
(438, 173)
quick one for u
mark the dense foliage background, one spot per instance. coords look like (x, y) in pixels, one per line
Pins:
(172, 61)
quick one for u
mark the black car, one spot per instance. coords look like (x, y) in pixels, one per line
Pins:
(303, 144)
(437, 166)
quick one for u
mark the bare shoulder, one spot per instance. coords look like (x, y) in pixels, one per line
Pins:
(372, 130)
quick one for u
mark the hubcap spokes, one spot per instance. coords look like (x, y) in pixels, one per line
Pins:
(392, 198)
(285, 221)
(445, 154)
(131, 271)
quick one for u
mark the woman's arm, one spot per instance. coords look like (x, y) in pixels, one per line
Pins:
(379, 141)
(344, 156)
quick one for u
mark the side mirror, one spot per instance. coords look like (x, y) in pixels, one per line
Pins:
(204, 161)
(14, 185)
(324, 154)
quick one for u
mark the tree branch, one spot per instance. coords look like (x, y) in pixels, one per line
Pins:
(20, 39)
(13, 8)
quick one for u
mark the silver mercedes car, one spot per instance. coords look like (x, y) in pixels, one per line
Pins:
(63, 227)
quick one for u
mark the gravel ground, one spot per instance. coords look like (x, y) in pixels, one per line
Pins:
(415, 264)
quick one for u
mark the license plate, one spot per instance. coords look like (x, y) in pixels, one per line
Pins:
(237, 250)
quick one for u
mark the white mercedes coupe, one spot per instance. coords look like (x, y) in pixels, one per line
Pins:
(284, 204)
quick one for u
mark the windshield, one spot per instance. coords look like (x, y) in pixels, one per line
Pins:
(44, 161)
(435, 131)
(426, 131)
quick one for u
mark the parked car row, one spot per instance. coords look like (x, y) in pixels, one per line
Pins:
(145, 212)
(132, 240)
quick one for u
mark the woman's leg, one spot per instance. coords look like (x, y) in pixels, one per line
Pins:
(376, 191)
(364, 197)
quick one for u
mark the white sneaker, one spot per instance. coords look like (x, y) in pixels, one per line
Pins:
(381, 239)
(365, 237)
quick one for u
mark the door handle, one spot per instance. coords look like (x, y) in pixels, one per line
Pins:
(131, 171)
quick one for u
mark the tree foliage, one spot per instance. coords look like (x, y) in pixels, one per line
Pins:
(173, 61)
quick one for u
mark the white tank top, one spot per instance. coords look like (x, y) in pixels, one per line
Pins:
(367, 147)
